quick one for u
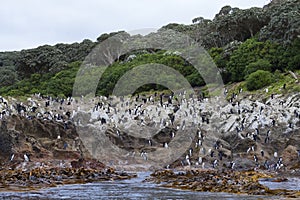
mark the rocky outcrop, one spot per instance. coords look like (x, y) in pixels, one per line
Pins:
(235, 131)
(6, 140)
(50, 177)
(41, 140)
(181, 131)
(246, 182)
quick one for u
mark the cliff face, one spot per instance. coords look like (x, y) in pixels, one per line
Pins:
(6, 141)
(41, 140)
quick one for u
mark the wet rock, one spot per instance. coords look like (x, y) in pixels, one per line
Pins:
(214, 181)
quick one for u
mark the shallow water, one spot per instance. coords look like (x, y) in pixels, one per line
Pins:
(291, 184)
(125, 189)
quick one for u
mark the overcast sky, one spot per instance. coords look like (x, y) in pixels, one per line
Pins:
(30, 23)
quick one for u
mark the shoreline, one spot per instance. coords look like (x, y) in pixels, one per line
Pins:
(232, 182)
(76, 172)
(215, 181)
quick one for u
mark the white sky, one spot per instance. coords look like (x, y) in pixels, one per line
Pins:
(30, 23)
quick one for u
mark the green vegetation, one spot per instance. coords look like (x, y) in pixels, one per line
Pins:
(246, 45)
(61, 84)
(258, 80)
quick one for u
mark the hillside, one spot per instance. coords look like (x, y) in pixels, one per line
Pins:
(239, 41)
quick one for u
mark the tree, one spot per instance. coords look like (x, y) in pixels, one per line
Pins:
(284, 24)
(8, 76)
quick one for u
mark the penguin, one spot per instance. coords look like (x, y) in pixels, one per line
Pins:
(166, 145)
(255, 137)
(255, 158)
(262, 153)
(232, 164)
(26, 158)
(268, 133)
(215, 163)
(12, 157)
(200, 160)
(144, 155)
(248, 150)
(172, 134)
(257, 131)
(203, 165)
(200, 134)
(190, 152)
(187, 158)
(199, 143)
(279, 160)
(273, 122)
(267, 139)
(212, 154)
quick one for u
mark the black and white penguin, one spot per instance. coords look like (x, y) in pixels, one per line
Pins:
(26, 158)
(267, 139)
(12, 157)
(215, 163)
(256, 131)
(212, 154)
(255, 158)
(268, 133)
(232, 164)
(190, 152)
(166, 145)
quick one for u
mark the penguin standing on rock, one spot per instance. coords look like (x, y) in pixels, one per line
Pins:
(262, 153)
(190, 152)
(12, 157)
(255, 158)
(232, 164)
(26, 157)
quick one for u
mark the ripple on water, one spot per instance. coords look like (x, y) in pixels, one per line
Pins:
(124, 189)
(291, 184)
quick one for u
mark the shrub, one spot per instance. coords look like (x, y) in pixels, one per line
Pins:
(259, 79)
(260, 64)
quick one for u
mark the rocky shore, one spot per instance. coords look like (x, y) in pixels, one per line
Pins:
(238, 182)
(229, 142)
(18, 180)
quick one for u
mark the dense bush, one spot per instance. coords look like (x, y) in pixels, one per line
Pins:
(260, 64)
(254, 52)
(258, 80)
